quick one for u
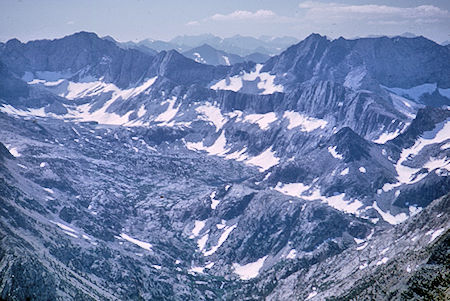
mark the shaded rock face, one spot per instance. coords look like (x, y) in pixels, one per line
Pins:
(386, 60)
(129, 174)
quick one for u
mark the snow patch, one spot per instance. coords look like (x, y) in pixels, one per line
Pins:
(438, 135)
(383, 261)
(292, 254)
(198, 226)
(345, 172)
(217, 148)
(292, 189)
(12, 150)
(334, 153)
(338, 202)
(212, 114)
(445, 146)
(198, 270)
(434, 234)
(264, 160)
(238, 155)
(388, 217)
(142, 244)
(306, 123)
(202, 242)
(214, 202)
(362, 247)
(49, 190)
(64, 227)
(262, 120)
(265, 81)
(385, 137)
(221, 240)
(226, 59)
(250, 270)
(230, 83)
(170, 112)
(311, 295)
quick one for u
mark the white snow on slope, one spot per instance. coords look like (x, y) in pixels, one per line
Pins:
(144, 245)
(445, 146)
(218, 148)
(337, 201)
(292, 254)
(292, 189)
(306, 123)
(249, 270)
(222, 239)
(214, 202)
(198, 226)
(12, 150)
(238, 155)
(385, 137)
(383, 261)
(49, 190)
(311, 295)
(435, 233)
(92, 88)
(262, 120)
(388, 217)
(226, 59)
(362, 169)
(8, 109)
(70, 234)
(334, 153)
(170, 112)
(436, 163)
(141, 112)
(362, 247)
(72, 90)
(198, 58)
(230, 83)
(264, 160)
(202, 242)
(265, 81)
(439, 134)
(267, 84)
(198, 270)
(64, 227)
(212, 114)
(345, 172)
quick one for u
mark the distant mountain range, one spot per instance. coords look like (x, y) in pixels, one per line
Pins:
(240, 45)
(128, 171)
(206, 54)
(213, 50)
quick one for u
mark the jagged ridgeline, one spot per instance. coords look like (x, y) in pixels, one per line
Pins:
(320, 173)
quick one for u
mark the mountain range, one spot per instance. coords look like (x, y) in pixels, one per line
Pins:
(224, 52)
(239, 45)
(321, 173)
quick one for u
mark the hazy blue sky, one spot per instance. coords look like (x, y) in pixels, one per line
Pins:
(164, 19)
